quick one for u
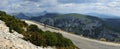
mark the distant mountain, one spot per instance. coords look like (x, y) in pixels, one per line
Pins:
(28, 15)
(103, 15)
(111, 21)
(35, 14)
(20, 15)
(85, 25)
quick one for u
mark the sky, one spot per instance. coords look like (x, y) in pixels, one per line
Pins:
(62, 6)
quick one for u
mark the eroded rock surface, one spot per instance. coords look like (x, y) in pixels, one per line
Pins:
(14, 40)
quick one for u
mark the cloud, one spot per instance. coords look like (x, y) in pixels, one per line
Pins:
(77, 1)
(61, 6)
(27, 5)
(33, 0)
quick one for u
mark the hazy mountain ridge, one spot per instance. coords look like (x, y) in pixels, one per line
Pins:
(103, 16)
(20, 15)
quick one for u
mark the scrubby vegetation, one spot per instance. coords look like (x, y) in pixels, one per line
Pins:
(35, 35)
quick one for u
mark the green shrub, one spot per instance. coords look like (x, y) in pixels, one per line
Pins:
(34, 28)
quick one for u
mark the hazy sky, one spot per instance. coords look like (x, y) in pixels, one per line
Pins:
(62, 6)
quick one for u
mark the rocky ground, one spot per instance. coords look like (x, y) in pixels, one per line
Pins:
(14, 40)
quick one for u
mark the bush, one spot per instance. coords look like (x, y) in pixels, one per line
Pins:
(51, 38)
(34, 28)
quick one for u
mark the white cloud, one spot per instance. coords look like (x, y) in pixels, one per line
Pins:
(100, 6)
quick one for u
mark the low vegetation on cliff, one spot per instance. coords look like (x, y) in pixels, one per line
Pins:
(35, 35)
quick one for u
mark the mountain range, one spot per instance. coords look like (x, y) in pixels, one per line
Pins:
(86, 25)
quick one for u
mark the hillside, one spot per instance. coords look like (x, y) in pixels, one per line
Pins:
(79, 41)
(33, 34)
(88, 26)
(14, 40)
(113, 23)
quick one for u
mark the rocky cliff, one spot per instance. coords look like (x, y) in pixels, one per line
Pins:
(14, 40)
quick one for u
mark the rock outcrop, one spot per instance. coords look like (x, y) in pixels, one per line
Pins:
(14, 40)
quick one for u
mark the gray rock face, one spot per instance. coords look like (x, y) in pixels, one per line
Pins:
(14, 40)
